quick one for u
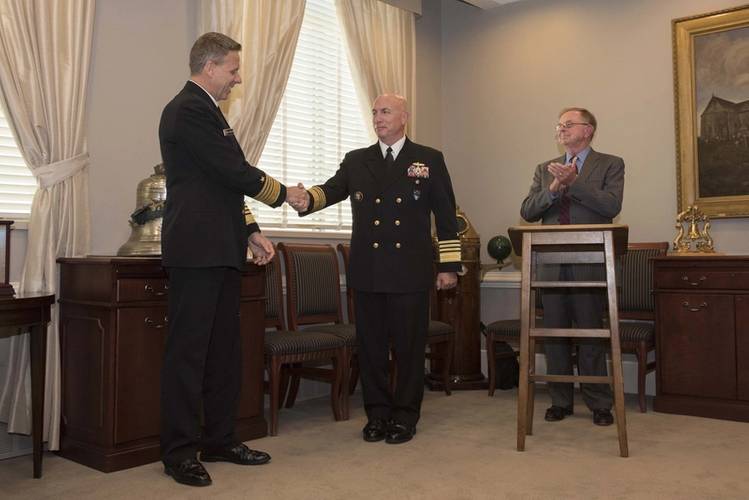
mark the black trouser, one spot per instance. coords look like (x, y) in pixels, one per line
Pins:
(400, 320)
(202, 362)
(563, 308)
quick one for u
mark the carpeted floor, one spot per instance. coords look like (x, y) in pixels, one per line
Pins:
(464, 449)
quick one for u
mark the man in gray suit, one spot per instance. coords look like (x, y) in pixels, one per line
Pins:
(582, 186)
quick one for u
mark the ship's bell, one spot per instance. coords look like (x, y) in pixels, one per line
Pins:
(145, 221)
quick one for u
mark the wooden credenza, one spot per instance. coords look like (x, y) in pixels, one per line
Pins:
(113, 326)
(702, 336)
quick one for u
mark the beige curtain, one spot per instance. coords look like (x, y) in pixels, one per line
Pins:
(381, 48)
(268, 31)
(45, 50)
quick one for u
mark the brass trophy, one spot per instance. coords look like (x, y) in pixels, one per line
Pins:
(688, 224)
(145, 221)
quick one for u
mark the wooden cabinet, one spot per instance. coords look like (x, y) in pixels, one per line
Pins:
(113, 323)
(702, 336)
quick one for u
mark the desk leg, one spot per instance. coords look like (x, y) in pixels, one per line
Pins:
(38, 340)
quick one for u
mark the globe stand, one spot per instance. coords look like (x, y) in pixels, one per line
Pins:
(498, 247)
(485, 268)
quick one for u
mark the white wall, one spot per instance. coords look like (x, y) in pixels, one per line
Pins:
(140, 54)
(426, 107)
(506, 73)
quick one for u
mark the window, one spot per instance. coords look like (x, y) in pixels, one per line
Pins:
(17, 184)
(318, 121)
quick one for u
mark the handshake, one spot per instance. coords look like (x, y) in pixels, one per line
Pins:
(297, 197)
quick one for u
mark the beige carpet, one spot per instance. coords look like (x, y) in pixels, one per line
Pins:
(464, 449)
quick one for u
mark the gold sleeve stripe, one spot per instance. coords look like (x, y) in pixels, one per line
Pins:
(449, 250)
(318, 198)
(248, 217)
(449, 257)
(270, 191)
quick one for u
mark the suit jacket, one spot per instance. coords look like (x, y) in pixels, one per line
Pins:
(391, 241)
(596, 195)
(207, 178)
(595, 198)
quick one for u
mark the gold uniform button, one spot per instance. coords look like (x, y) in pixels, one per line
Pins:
(397, 222)
(377, 200)
(376, 222)
(397, 245)
(398, 200)
(375, 245)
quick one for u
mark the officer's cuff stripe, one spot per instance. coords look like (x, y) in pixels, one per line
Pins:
(248, 217)
(270, 191)
(449, 251)
(449, 257)
(318, 198)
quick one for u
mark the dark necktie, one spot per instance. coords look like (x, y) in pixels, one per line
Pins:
(389, 160)
(565, 201)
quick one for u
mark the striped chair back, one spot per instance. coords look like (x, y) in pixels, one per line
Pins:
(636, 279)
(313, 291)
(273, 295)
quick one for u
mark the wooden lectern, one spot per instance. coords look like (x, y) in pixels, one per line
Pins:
(567, 244)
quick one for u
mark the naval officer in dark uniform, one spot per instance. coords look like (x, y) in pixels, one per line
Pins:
(394, 187)
(204, 245)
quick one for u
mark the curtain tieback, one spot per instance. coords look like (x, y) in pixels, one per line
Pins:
(54, 173)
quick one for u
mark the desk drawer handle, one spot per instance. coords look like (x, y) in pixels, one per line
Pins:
(150, 323)
(149, 289)
(694, 283)
(686, 305)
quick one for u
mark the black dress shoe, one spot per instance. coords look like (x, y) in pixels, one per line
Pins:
(190, 472)
(399, 433)
(557, 413)
(374, 430)
(239, 454)
(602, 416)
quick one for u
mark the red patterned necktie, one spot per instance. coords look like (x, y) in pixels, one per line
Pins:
(565, 201)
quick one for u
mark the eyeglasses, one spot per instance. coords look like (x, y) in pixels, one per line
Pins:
(568, 125)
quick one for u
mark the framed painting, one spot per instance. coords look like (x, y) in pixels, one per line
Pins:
(711, 87)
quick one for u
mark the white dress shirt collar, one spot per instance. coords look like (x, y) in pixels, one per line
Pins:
(215, 103)
(396, 147)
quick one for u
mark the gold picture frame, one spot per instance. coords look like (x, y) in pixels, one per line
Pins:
(712, 132)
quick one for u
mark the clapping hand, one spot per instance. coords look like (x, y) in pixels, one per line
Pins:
(297, 197)
(564, 175)
(262, 249)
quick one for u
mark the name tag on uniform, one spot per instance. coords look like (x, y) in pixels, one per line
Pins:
(228, 131)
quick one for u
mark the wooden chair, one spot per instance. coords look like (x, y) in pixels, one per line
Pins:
(313, 297)
(441, 342)
(285, 349)
(504, 330)
(637, 308)
(345, 250)
(440, 335)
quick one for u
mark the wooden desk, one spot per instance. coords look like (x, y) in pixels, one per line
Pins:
(113, 324)
(18, 313)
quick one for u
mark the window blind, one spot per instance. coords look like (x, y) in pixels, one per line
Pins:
(318, 121)
(17, 184)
